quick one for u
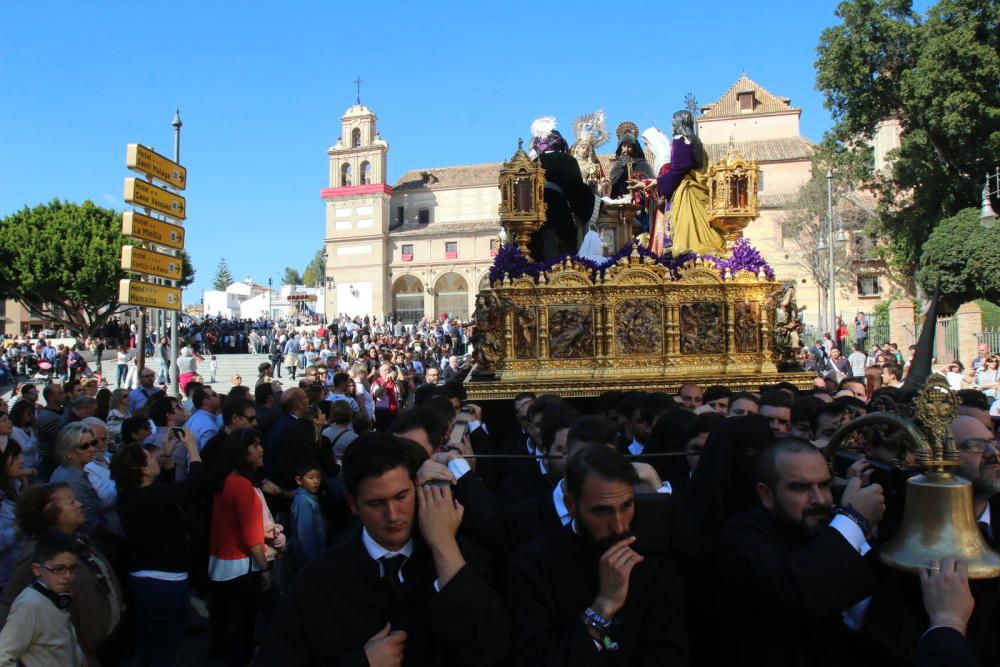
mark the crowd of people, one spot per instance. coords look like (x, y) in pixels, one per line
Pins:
(356, 511)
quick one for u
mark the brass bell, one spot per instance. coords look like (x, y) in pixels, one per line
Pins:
(939, 522)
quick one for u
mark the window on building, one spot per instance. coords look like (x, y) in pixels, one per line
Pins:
(345, 175)
(746, 100)
(494, 247)
(451, 249)
(424, 216)
(760, 181)
(407, 251)
(356, 137)
(400, 215)
(865, 247)
(366, 173)
(869, 286)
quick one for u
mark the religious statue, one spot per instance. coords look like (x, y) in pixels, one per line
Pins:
(629, 169)
(658, 145)
(787, 322)
(566, 194)
(685, 186)
(591, 133)
(487, 338)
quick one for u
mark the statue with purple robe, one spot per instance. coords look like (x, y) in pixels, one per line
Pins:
(685, 187)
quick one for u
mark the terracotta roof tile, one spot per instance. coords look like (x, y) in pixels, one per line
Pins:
(462, 176)
(445, 228)
(764, 102)
(766, 150)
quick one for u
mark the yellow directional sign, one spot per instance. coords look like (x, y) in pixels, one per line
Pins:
(144, 160)
(151, 263)
(135, 293)
(146, 195)
(139, 226)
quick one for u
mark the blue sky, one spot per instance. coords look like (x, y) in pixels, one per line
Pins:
(261, 87)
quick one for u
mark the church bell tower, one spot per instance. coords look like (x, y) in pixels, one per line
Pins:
(357, 219)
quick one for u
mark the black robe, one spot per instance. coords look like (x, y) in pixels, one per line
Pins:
(944, 647)
(567, 196)
(555, 577)
(785, 596)
(339, 602)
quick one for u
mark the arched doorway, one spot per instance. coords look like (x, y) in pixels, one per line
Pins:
(451, 296)
(408, 299)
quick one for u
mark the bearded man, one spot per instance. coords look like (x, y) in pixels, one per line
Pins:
(792, 568)
(587, 593)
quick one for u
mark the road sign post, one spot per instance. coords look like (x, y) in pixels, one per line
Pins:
(144, 259)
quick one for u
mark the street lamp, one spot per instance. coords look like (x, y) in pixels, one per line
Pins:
(840, 237)
(269, 299)
(986, 215)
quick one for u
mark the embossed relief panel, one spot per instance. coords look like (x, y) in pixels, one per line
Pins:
(703, 328)
(571, 331)
(638, 327)
(526, 333)
(746, 326)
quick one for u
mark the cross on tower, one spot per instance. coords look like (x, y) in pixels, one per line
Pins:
(358, 82)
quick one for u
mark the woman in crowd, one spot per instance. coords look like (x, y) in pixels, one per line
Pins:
(103, 403)
(156, 534)
(987, 377)
(238, 566)
(22, 417)
(96, 605)
(187, 367)
(873, 381)
(117, 413)
(12, 475)
(74, 450)
(121, 359)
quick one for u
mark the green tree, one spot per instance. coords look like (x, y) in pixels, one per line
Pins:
(937, 74)
(63, 261)
(315, 271)
(223, 277)
(291, 277)
(963, 255)
(187, 269)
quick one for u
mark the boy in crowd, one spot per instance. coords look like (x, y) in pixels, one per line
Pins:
(39, 631)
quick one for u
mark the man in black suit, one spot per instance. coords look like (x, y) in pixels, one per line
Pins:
(294, 405)
(791, 569)
(545, 509)
(481, 520)
(585, 594)
(391, 595)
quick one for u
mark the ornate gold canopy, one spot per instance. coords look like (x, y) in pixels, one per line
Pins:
(732, 195)
(522, 197)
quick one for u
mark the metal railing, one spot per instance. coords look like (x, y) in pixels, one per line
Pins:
(989, 336)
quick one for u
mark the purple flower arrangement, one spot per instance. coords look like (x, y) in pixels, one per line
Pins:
(744, 258)
(510, 261)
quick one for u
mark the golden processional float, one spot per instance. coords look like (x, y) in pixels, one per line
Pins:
(578, 330)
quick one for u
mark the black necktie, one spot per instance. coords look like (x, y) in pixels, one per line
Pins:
(391, 566)
(987, 531)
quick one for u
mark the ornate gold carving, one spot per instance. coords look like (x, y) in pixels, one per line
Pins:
(702, 328)
(526, 333)
(571, 331)
(634, 322)
(747, 326)
(638, 327)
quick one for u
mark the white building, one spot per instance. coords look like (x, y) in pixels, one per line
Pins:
(248, 300)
